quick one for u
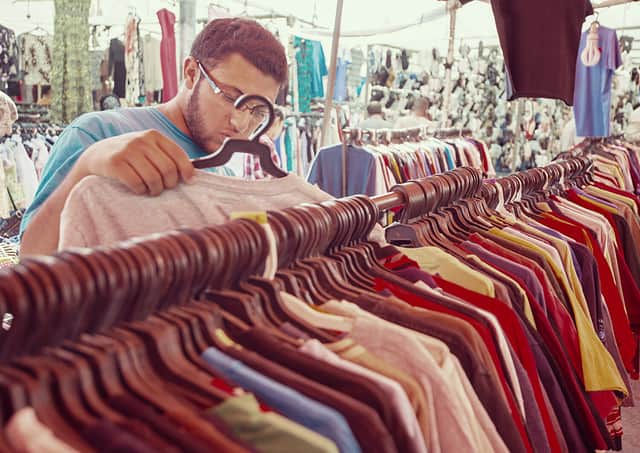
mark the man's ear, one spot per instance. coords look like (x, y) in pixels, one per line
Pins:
(191, 72)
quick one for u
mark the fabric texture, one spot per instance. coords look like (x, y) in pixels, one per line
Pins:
(93, 127)
(293, 405)
(268, 431)
(98, 210)
(71, 78)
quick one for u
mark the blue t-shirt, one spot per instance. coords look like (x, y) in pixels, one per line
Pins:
(316, 416)
(93, 127)
(592, 96)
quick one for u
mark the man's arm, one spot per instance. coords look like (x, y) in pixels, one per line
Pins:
(146, 162)
(42, 233)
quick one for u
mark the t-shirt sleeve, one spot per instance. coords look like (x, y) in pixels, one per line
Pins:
(614, 57)
(64, 154)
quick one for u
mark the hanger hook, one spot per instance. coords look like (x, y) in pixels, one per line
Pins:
(242, 100)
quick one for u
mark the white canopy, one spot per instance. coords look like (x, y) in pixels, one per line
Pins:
(474, 21)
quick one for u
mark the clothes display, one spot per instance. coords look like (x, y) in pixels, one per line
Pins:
(311, 70)
(592, 101)
(117, 67)
(24, 154)
(70, 76)
(168, 54)
(134, 61)
(152, 65)
(8, 55)
(372, 169)
(506, 320)
(36, 58)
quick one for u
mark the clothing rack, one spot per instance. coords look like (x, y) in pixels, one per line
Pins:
(356, 135)
(85, 312)
(175, 267)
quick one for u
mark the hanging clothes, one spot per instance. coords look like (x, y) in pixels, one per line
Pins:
(117, 67)
(36, 58)
(592, 99)
(152, 63)
(133, 62)
(168, 54)
(312, 69)
(71, 80)
(532, 69)
(8, 55)
(374, 169)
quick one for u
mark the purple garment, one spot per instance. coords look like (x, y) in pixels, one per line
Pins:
(592, 96)
(595, 199)
(527, 276)
(416, 275)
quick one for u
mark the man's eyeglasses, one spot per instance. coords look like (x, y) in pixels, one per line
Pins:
(258, 113)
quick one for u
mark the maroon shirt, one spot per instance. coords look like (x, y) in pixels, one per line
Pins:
(540, 41)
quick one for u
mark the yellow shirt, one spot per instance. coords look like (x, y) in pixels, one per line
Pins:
(612, 196)
(436, 261)
(567, 262)
(599, 370)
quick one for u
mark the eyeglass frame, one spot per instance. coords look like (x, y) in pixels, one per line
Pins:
(217, 90)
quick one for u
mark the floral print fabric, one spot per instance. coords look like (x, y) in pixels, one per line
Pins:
(71, 78)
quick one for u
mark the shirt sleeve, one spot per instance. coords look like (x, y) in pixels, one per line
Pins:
(64, 154)
(614, 57)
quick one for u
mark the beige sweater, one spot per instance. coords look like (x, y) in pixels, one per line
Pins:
(101, 211)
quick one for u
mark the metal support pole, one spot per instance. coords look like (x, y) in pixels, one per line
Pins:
(518, 133)
(453, 9)
(328, 105)
(187, 30)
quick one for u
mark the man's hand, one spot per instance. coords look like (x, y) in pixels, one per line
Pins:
(147, 162)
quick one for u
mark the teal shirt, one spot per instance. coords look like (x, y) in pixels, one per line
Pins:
(96, 126)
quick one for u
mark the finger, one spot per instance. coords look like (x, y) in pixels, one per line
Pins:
(165, 166)
(130, 177)
(148, 173)
(178, 156)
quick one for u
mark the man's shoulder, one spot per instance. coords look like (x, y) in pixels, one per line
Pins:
(118, 121)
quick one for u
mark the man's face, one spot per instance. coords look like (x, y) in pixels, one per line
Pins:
(211, 117)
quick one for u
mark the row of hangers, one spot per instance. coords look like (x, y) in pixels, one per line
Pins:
(458, 207)
(79, 292)
(124, 322)
(386, 136)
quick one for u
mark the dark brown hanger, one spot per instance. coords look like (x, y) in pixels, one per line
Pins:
(231, 146)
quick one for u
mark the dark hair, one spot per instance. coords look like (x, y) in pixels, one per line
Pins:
(223, 37)
(374, 108)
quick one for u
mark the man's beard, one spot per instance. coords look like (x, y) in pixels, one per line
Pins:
(196, 124)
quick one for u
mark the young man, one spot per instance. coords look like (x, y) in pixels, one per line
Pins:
(149, 149)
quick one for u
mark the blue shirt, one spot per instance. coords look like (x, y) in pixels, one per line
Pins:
(592, 96)
(326, 171)
(290, 403)
(93, 127)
